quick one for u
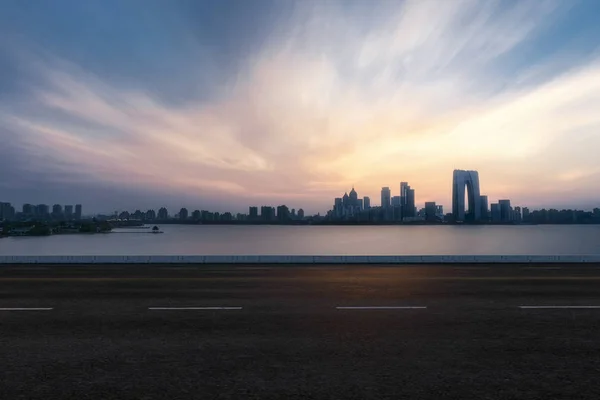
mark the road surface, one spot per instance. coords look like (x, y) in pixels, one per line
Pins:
(300, 332)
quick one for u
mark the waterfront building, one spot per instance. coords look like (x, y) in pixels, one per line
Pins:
(253, 212)
(495, 211)
(183, 214)
(469, 180)
(163, 214)
(283, 213)
(410, 203)
(69, 212)
(484, 214)
(385, 197)
(267, 213)
(430, 210)
(78, 211)
(505, 210)
(366, 203)
(300, 214)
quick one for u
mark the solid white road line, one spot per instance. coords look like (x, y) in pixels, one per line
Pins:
(193, 308)
(380, 308)
(25, 309)
(557, 307)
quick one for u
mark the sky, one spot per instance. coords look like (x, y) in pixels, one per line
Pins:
(218, 105)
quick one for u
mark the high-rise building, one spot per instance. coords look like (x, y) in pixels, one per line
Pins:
(516, 215)
(151, 215)
(430, 210)
(505, 210)
(396, 201)
(183, 213)
(301, 214)
(360, 205)
(42, 211)
(353, 198)
(78, 211)
(439, 210)
(69, 212)
(283, 213)
(366, 203)
(7, 212)
(267, 213)
(469, 180)
(410, 203)
(57, 211)
(196, 215)
(338, 207)
(253, 212)
(525, 214)
(484, 214)
(163, 214)
(28, 210)
(495, 211)
(386, 196)
(403, 188)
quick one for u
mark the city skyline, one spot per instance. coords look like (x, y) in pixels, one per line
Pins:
(134, 104)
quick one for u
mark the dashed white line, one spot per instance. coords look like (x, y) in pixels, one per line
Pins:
(192, 308)
(26, 309)
(380, 308)
(558, 307)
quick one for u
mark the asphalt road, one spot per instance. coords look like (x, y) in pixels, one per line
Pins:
(268, 332)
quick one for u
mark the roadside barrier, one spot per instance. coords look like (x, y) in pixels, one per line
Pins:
(298, 259)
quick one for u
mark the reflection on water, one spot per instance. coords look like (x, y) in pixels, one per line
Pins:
(319, 240)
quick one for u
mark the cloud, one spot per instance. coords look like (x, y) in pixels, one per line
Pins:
(335, 98)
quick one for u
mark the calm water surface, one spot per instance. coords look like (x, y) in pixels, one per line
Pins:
(318, 240)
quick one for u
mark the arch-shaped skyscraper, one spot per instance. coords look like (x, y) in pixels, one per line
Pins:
(469, 180)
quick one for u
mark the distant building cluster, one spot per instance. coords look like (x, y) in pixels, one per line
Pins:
(40, 212)
(267, 214)
(468, 206)
(399, 208)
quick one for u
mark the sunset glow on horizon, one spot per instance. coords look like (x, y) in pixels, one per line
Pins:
(209, 105)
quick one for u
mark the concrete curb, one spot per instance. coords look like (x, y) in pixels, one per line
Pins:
(294, 259)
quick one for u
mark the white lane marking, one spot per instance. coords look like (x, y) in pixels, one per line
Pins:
(380, 308)
(194, 308)
(556, 307)
(25, 309)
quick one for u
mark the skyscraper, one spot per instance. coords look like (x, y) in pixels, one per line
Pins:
(300, 214)
(68, 212)
(396, 201)
(7, 211)
(78, 211)
(163, 214)
(283, 213)
(253, 212)
(57, 211)
(42, 210)
(28, 210)
(525, 214)
(469, 180)
(410, 203)
(366, 203)
(183, 214)
(386, 196)
(430, 210)
(267, 213)
(403, 188)
(505, 210)
(484, 214)
(495, 211)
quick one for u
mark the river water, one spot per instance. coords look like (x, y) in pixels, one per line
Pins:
(319, 240)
